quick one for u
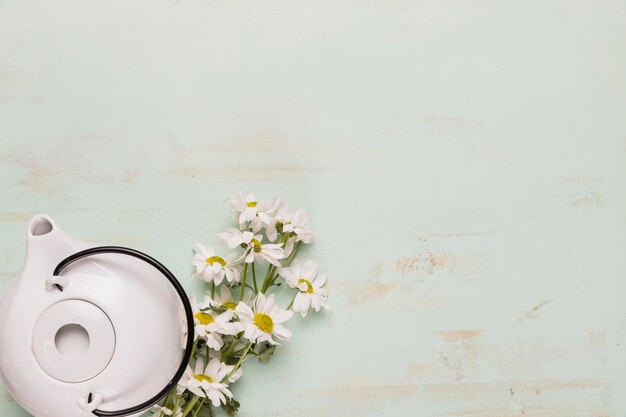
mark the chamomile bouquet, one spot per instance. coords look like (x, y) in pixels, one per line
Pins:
(239, 315)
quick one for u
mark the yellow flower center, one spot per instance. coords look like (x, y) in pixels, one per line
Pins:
(203, 377)
(212, 259)
(251, 204)
(230, 305)
(309, 287)
(257, 245)
(204, 318)
(264, 322)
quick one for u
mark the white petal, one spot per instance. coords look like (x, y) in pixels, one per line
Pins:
(196, 390)
(289, 247)
(271, 232)
(264, 218)
(260, 303)
(256, 224)
(215, 398)
(282, 332)
(319, 281)
(243, 309)
(316, 302)
(282, 316)
(213, 367)
(297, 303)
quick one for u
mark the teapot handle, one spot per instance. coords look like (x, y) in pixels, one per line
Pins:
(188, 315)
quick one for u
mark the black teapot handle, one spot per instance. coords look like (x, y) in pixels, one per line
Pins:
(188, 315)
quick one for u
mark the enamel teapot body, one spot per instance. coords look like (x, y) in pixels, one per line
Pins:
(87, 329)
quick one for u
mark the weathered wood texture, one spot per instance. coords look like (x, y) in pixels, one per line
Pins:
(463, 163)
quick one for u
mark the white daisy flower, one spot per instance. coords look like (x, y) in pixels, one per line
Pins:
(294, 225)
(297, 226)
(309, 284)
(282, 216)
(212, 268)
(212, 326)
(254, 249)
(171, 410)
(235, 375)
(270, 252)
(224, 298)
(235, 237)
(259, 214)
(264, 320)
(207, 382)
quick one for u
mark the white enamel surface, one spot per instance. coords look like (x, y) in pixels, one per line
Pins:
(79, 366)
(127, 362)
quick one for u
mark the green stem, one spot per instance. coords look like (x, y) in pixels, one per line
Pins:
(293, 253)
(268, 275)
(190, 405)
(199, 407)
(239, 362)
(167, 400)
(287, 262)
(231, 347)
(270, 269)
(213, 291)
(243, 280)
(254, 277)
(168, 397)
(238, 352)
(195, 346)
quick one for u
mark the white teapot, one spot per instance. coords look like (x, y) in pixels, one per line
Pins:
(91, 330)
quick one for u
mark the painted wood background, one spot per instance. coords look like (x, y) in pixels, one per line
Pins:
(463, 163)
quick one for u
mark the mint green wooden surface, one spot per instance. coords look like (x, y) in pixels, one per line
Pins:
(463, 163)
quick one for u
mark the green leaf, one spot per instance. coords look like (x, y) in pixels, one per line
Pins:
(231, 360)
(266, 355)
(205, 411)
(231, 406)
(217, 309)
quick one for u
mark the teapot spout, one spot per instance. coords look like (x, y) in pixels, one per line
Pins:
(47, 244)
(40, 225)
